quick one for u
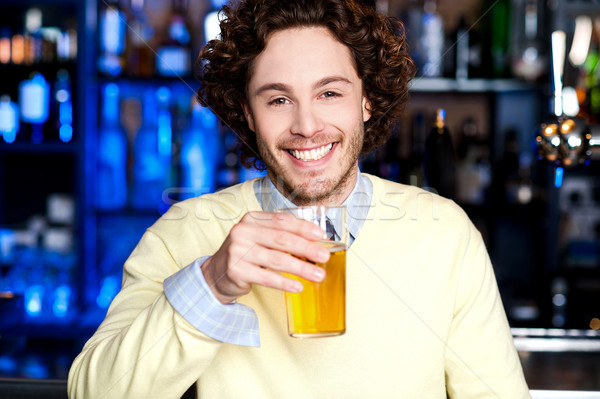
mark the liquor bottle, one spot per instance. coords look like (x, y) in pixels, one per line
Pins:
(112, 39)
(9, 119)
(439, 162)
(473, 168)
(462, 51)
(499, 36)
(199, 153)
(412, 17)
(414, 174)
(34, 106)
(149, 169)
(17, 49)
(5, 45)
(112, 154)
(140, 56)
(174, 56)
(528, 60)
(432, 40)
(64, 106)
(33, 36)
(165, 142)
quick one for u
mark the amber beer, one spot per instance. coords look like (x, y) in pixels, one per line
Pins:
(320, 309)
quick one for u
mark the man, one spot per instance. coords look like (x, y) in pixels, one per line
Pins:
(308, 85)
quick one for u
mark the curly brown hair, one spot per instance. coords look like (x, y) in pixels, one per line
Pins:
(377, 44)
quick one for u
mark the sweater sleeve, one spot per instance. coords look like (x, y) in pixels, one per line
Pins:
(481, 359)
(144, 348)
(189, 293)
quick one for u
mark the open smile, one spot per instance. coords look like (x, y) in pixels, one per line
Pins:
(313, 154)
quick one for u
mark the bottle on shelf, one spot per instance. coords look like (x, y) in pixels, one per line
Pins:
(5, 45)
(34, 42)
(140, 35)
(9, 119)
(499, 38)
(151, 152)
(528, 60)
(199, 153)
(413, 19)
(174, 56)
(414, 175)
(462, 43)
(34, 106)
(432, 40)
(112, 154)
(165, 143)
(112, 38)
(473, 168)
(439, 162)
(17, 49)
(64, 106)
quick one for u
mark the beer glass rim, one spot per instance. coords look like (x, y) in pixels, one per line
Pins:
(321, 213)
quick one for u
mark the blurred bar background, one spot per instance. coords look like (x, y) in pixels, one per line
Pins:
(100, 134)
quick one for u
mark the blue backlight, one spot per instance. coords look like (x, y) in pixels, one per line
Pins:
(108, 290)
(558, 177)
(34, 296)
(62, 296)
(34, 99)
(65, 133)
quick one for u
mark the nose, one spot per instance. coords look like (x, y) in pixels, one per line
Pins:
(307, 121)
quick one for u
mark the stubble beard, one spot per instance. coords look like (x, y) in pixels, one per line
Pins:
(315, 190)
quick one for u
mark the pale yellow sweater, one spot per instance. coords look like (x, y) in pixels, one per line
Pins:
(423, 315)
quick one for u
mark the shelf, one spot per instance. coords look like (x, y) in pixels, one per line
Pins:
(436, 85)
(38, 3)
(54, 147)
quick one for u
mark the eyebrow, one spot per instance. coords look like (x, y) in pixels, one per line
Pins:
(286, 88)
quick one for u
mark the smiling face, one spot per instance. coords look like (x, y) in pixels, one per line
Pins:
(307, 108)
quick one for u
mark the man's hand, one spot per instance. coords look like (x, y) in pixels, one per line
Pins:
(258, 249)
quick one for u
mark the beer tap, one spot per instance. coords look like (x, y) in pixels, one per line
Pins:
(566, 140)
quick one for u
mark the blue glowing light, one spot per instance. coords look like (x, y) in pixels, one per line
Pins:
(34, 99)
(10, 136)
(62, 296)
(218, 3)
(163, 95)
(8, 365)
(34, 368)
(34, 296)
(108, 290)
(9, 119)
(558, 177)
(65, 133)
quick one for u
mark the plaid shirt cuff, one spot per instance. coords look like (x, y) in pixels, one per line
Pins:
(190, 295)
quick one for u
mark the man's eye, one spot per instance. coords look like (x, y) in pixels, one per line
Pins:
(329, 94)
(278, 101)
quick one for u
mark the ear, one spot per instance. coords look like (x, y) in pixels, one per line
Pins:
(366, 108)
(249, 117)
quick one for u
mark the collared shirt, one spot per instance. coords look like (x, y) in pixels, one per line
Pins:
(234, 323)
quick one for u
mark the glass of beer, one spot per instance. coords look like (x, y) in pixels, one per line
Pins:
(320, 309)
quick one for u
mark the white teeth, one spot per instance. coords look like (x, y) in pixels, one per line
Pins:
(312, 155)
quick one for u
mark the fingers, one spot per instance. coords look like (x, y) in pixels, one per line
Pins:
(285, 222)
(271, 279)
(282, 262)
(282, 232)
(260, 249)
